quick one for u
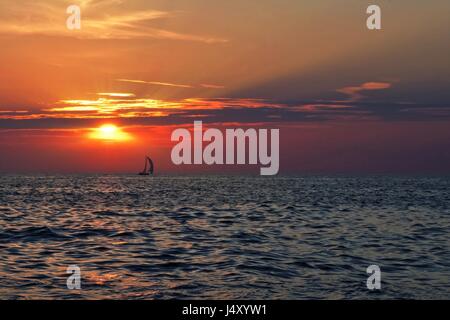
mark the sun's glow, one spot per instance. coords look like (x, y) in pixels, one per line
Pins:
(109, 132)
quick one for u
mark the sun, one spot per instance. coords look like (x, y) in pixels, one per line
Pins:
(109, 132)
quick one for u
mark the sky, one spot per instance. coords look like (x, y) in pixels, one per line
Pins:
(346, 99)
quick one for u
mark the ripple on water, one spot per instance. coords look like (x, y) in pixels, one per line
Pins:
(224, 237)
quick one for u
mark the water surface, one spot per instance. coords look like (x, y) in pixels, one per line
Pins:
(224, 237)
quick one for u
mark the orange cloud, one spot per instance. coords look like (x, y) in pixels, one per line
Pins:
(166, 84)
(116, 94)
(354, 93)
(212, 86)
(101, 20)
(126, 105)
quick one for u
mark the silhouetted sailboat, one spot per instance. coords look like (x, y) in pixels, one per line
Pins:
(149, 168)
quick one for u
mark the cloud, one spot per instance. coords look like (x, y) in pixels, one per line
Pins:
(212, 86)
(355, 93)
(321, 107)
(100, 20)
(13, 112)
(99, 3)
(128, 108)
(123, 105)
(156, 83)
(116, 94)
(167, 84)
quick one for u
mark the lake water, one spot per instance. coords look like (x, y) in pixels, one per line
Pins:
(224, 237)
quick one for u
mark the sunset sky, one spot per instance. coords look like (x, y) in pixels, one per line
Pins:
(346, 99)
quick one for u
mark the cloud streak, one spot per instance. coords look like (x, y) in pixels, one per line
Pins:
(168, 84)
(116, 94)
(100, 20)
(156, 83)
(355, 93)
(212, 86)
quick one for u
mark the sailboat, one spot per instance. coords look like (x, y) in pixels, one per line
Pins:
(149, 167)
